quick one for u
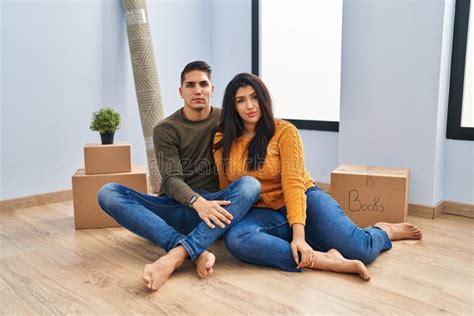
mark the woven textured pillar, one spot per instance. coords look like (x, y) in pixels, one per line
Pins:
(147, 85)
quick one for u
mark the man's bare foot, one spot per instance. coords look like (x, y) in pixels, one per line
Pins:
(400, 231)
(335, 262)
(158, 272)
(205, 263)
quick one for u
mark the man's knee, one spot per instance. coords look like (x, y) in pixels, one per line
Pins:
(249, 188)
(107, 194)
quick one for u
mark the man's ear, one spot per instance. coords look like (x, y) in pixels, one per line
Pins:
(212, 91)
(180, 90)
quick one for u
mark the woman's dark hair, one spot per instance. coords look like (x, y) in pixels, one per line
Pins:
(232, 127)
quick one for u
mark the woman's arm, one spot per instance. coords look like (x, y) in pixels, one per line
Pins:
(294, 192)
(223, 180)
(292, 173)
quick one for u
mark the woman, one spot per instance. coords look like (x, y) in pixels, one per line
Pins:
(294, 224)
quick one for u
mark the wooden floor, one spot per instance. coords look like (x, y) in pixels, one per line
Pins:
(47, 267)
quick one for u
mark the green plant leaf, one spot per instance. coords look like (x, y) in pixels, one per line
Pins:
(105, 120)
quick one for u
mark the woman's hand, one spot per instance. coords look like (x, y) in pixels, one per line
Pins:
(299, 245)
(302, 247)
(213, 212)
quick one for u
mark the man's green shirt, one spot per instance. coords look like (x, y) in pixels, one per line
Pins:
(184, 156)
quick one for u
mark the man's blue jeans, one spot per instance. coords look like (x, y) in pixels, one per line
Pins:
(167, 223)
(263, 237)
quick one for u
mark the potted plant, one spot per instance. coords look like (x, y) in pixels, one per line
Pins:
(106, 121)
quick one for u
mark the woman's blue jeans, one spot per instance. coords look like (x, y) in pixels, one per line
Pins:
(263, 237)
(167, 223)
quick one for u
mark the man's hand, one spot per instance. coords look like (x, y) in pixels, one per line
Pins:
(212, 212)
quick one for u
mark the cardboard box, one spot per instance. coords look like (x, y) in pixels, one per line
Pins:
(371, 194)
(114, 158)
(87, 212)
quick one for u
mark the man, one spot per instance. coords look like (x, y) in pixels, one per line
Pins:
(190, 214)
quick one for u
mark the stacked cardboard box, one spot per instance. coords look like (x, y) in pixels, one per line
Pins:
(371, 194)
(103, 164)
(113, 158)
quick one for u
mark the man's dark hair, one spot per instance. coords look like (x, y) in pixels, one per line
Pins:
(196, 65)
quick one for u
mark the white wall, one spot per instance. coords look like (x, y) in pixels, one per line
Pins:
(443, 101)
(390, 88)
(396, 67)
(231, 53)
(458, 165)
(61, 61)
(459, 171)
(448, 171)
(51, 82)
(320, 152)
(2, 113)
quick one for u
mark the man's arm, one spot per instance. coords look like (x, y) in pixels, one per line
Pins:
(166, 144)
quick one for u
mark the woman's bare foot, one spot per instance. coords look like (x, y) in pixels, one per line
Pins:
(158, 272)
(334, 261)
(205, 263)
(400, 231)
